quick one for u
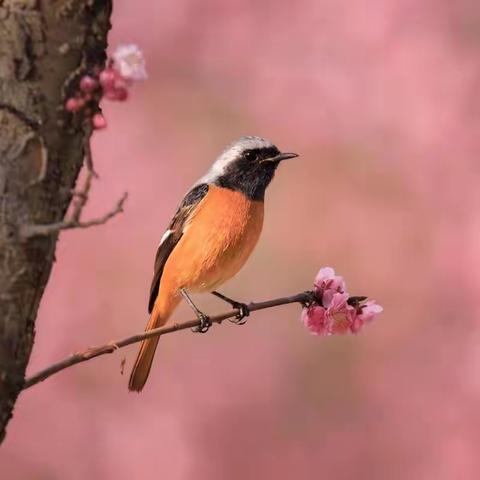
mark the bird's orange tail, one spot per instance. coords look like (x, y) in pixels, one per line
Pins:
(159, 316)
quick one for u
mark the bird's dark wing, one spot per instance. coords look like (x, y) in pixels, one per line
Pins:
(173, 235)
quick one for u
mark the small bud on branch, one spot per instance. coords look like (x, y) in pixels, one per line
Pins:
(126, 66)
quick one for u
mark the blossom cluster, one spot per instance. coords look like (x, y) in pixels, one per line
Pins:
(126, 65)
(335, 311)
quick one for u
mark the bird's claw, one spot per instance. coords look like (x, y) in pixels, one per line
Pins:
(241, 316)
(205, 324)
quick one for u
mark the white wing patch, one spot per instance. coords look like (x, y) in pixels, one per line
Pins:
(165, 236)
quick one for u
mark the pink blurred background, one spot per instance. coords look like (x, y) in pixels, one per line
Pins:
(381, 99)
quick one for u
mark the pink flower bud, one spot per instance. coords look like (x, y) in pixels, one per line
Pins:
(71, 105)
(98, 121)
(88, 84)
(122, 94)
(118, 94)
(107, 78)
(74, 104)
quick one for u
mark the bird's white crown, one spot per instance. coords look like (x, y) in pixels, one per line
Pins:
(232, 153)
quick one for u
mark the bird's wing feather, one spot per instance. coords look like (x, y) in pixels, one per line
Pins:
(173, 235)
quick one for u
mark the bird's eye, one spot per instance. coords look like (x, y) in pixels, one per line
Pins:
(249, 155)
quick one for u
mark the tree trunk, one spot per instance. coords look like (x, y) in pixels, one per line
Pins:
(45, 46)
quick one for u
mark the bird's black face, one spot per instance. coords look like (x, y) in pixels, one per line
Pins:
(252, 171)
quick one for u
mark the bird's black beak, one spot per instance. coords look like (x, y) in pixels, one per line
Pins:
(280, 157)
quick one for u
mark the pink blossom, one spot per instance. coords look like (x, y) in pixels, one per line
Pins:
(333, 311)
(313, 318)
(338, 314)
(327, 283)
(364, 314)
(126, 65)
(331, 320)
(130, 62)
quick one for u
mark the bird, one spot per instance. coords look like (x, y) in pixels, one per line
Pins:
(212, 234)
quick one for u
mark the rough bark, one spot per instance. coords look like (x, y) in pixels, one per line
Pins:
(44, 47)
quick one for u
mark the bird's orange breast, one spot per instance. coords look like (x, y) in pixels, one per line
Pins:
(218, 239)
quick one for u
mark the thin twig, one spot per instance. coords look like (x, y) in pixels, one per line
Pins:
(81, 197)
(87, 150)
(80, 200)
(31, 230)
(110, 347)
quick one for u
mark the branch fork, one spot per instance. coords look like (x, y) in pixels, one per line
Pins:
(80, 200)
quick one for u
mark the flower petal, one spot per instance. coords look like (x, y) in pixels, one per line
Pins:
(325, 273)
(313, 318)
(130, 62)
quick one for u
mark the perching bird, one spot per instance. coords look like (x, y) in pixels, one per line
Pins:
(211, 236)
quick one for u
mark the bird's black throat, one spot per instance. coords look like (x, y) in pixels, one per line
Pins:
(249, 176)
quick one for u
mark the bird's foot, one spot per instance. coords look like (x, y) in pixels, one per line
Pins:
(205, 323)
(243, 310)
(243, 313)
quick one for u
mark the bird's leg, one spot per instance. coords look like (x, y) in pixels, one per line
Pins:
(205, 322)
(243, 310)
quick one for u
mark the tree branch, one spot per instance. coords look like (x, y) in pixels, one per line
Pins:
(45, 48)
(32, 230)
(110, 347)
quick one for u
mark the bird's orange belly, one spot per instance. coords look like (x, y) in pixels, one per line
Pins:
(217, 242)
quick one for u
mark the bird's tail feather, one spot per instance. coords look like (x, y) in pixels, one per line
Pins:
(144, 360)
